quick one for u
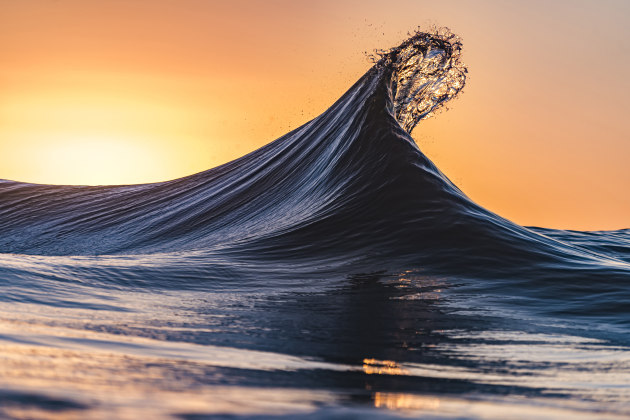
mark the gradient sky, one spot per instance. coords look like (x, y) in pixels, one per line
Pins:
(128, 91)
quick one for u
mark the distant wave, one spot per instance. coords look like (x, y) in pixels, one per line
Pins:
(348, 191)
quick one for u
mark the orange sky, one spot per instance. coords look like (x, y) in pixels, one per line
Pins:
(125, 91)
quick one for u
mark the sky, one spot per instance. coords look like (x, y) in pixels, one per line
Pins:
(130, 91)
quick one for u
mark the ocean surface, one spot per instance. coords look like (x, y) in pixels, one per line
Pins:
(333, 273)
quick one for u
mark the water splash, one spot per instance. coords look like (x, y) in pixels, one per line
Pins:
(426, 72)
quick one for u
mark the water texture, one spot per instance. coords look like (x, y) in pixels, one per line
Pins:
(333, 273)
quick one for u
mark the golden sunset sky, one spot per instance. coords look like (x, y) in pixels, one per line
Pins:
(129, 91)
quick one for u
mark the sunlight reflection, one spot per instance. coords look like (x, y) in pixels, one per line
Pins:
(423, 287)
(382, 367)
(394, 401)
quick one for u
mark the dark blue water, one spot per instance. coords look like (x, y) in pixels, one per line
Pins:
(334, 273)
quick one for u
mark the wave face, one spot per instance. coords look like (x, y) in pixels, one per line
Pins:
(347, 193)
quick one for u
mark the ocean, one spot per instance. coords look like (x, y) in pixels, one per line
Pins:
(334, 273)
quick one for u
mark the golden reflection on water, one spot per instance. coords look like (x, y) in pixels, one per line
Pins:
(395, 401)
(420, 287)
(382, 367)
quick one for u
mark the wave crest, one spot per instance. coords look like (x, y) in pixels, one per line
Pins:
(426, 71)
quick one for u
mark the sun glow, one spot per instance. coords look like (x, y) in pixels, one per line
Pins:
(91, 137)
(98, 160)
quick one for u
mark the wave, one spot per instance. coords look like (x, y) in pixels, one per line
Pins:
(348, 191)
(335, 271)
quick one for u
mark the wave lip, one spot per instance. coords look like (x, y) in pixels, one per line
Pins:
(426, 72)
